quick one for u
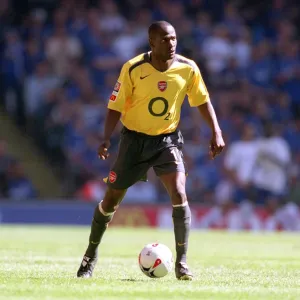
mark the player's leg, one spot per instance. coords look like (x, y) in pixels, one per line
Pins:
(125, 172)
(169, 165)
(103, 214)
(175, 184)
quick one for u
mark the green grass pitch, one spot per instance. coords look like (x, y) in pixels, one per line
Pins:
(41, 262)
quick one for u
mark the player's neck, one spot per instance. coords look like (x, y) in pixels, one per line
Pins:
(159, 64)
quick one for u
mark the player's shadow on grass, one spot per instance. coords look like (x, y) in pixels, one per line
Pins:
(131, 280)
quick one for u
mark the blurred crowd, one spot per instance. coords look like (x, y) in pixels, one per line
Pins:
(13, 182)
(59, 66)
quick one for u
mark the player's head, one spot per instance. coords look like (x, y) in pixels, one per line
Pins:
(162, 40)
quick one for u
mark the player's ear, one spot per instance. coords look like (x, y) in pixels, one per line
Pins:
(151, 43)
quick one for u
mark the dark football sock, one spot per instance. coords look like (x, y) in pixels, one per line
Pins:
(182, 220)
(99, 225)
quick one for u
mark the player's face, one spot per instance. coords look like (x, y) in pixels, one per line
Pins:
(164, 43)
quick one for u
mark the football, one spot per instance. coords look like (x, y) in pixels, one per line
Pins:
(156, 260)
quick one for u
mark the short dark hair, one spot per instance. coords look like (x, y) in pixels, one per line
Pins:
(156, 26)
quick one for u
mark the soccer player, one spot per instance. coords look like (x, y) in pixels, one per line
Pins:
(147, 98)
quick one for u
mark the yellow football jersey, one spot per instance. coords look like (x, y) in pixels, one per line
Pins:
(150, 101)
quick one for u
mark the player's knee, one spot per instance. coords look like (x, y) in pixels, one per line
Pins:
(112, 200)
(178, 196)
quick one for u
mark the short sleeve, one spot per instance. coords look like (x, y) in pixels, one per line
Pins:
(122, 90)
(197, 92)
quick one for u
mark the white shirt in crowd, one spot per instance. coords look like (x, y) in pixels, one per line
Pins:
(60, 51)
(217, 52)
(241, 158)
(242, 53)
(273, 159)
(141, 192)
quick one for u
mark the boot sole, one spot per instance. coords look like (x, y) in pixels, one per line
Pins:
(186, 277)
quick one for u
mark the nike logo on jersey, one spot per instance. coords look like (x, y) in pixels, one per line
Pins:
(143, 77)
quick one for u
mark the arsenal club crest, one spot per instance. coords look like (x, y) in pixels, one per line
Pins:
(112, 176)
(162, 85)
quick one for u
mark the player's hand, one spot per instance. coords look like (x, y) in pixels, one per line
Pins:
(103, 150)
(217, 145)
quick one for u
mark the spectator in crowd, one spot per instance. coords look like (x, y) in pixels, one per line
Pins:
(62, 50)
(37, 86)
(217, 50)
(19, 186)
(12, 70)
(270, 176)
(5, 160)
(294, 179)
(13, 182)
(240, 161)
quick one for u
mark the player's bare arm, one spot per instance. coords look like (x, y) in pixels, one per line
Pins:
(217, 143)
(111, 121)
